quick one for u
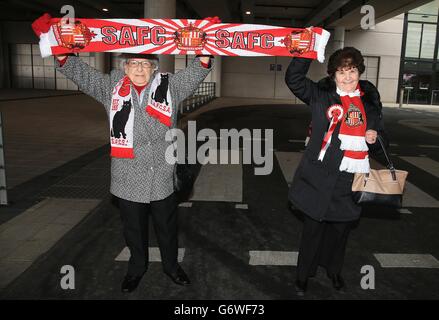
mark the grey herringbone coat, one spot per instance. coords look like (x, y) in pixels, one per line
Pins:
(147, 177)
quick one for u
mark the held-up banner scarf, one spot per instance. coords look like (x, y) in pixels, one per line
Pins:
(182, 36)
(352, 133)
(122, 113)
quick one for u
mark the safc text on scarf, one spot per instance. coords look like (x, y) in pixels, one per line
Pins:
(135, 36)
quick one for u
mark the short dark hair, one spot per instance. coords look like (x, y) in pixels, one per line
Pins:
(348, 57)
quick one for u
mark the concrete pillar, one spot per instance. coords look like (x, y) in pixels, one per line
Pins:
(100, 61)
(115, 61)
(163, 9)
(216, 75)
(338, 38)
(2, 59)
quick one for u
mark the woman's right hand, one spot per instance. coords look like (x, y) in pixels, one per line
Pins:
(371, 136)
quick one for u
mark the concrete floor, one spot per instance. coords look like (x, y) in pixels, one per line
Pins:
(222, 240)
(41, 134)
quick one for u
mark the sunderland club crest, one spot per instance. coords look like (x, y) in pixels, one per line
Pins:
(298, 42)
(190, 38)
(354, 117)
(73, 36)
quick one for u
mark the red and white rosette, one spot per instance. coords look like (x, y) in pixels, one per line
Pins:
(334, 114)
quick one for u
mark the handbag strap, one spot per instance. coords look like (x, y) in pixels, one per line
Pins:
(389, 162)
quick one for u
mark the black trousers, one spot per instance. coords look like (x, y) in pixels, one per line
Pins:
(323, 243)
(135, 219)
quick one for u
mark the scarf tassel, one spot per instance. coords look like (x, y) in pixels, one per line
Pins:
(45, 46)
(122, 152)
(353, 143)
(322, 37)
(158, 115)
(355, 165)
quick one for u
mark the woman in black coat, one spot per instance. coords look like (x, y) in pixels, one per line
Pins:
(345, 122)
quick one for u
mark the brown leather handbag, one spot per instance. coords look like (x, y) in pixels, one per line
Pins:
(380, 187)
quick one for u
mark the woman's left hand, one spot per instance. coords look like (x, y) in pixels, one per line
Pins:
(371, 136)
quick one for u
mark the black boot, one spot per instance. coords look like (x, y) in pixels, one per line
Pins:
(337, 281)
(301, 287)
(179, 277)
(130, 283)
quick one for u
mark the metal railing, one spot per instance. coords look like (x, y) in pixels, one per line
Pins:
(3, 185)
(434, 97)
(202, 95)
(405, 93)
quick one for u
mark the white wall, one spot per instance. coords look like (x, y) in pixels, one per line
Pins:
(13, 33)
(384, 41)
(3, 70)
(249, 77)
(180, 64)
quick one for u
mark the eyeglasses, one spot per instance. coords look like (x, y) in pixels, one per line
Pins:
(134, 64)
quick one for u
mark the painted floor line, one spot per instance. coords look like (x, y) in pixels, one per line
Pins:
(154, 254)
(424, 163)
(403, 260)
(185, 205)
(273, 258)
(217, 182)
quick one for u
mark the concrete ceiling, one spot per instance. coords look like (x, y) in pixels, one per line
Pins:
(297, 13)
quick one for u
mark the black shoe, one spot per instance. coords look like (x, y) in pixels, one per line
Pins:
(301, 287)
(179, 277)
(130, 283)
(337, 281)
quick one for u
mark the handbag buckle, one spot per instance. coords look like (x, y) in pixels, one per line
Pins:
(393, 173)
(366, 176)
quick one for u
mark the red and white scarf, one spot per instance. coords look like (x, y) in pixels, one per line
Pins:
(352, 132)
(122, 114)
(179, 36)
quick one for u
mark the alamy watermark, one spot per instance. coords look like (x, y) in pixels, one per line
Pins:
(256, 149)
(368, 280)
(368, 21)
(67, 281)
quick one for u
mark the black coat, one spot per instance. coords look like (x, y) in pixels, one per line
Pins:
(319, 189)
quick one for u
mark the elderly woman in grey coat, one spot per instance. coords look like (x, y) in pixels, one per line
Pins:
(141, 104)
